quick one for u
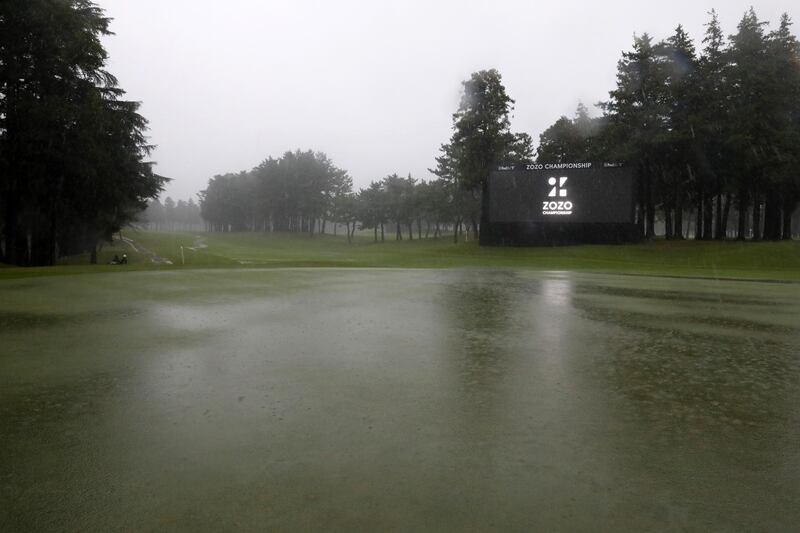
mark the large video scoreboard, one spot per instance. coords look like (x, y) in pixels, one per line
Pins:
(562, 203)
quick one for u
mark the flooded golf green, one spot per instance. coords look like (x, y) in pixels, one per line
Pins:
(403, 400)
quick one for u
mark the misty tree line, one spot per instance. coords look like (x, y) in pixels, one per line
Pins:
(714, 134)
(303, 191)
(72, 149)
(292, 193)
(183, 215)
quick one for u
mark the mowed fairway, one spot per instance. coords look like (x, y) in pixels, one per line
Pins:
(765, 260)
(279, 399)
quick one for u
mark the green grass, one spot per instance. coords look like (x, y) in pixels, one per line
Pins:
(767, 260)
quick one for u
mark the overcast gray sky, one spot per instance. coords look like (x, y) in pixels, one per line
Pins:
(373, 84)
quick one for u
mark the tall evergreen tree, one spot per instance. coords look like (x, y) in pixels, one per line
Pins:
(712, 103)
(749, 134)
(482, 138)
(784, 99)
(677, 155)
(636, 116)
(72, 151)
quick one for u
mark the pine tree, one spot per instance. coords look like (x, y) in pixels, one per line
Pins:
(636, 117)
(783, 189)
(678, 146)
(481, 140)
(748, 134)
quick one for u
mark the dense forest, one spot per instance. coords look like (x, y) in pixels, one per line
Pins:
(713, 136)
(73, 151)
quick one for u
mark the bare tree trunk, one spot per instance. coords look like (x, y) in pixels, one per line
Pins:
(698, 225)
(382, 237)
(649, 208)
(668, 230)
(53, 240)
(708, 218)
(640, 203)
(10, 230)
(756, 216)
(651, 220)
(640, 218)
(789, 205)
(772, 216)
(741, 232)
(678, 227)
(726, 212)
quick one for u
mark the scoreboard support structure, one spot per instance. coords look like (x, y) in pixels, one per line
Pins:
(559, 204)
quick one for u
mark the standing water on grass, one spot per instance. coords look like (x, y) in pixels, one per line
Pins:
(373, 400)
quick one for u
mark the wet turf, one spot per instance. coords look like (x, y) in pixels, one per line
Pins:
(773, 261)
(397, 400)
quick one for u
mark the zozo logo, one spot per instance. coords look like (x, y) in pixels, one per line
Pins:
(558, 190)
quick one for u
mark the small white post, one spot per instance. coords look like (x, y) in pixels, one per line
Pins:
(183, 259)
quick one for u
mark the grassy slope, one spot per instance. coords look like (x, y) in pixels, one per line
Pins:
(779, 261)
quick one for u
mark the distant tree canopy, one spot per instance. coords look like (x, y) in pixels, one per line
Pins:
(171, 215)
(72, 150)
(295, 192)
(570, 140)
(303, 191)
(712, 135)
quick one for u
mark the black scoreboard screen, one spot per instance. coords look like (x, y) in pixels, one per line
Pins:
(583, 193)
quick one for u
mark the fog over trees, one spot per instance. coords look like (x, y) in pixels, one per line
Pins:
(302, 191)
(713, 137)
(183, 215)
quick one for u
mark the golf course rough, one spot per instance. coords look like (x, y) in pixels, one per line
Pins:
(370, 400)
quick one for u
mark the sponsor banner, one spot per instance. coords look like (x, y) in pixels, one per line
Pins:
(563, 192)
